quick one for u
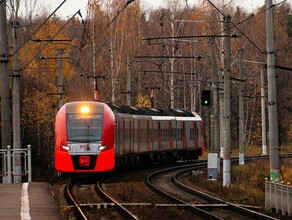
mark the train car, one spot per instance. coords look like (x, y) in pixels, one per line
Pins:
(95, 137)
(84, 137)
(153, 135)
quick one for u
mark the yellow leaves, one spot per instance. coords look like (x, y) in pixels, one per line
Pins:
(144, 101)
(37, 106)
(289, 132)
(287, 173)
(40, 77)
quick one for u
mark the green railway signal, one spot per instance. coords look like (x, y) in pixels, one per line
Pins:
(206, 97)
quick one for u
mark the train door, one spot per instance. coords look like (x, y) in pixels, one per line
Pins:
(184, 134)
(130, 135)
(144, 135)
(196, 124)
(179, 143)
(189, 134)
(136, 132)
(157, 143)
(125, 134)
(149, 135)
(170, 134)
(200, 134)
(117, 136)
(164, 135)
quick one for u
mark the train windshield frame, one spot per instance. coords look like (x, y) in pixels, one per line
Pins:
(84, 128)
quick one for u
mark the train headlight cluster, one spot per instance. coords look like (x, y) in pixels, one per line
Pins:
(66, 147)
(84, 109)
(102, 147)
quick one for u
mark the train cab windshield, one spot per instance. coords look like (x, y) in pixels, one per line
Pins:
(84, 128)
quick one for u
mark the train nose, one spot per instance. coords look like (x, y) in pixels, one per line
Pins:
(84, 161)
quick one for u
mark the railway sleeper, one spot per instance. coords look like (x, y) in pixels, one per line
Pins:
(109, 205)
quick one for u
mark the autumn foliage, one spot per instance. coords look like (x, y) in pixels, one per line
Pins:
(109, 40)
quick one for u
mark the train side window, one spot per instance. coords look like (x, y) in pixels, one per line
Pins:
(174, 133)
(180, 134)
(155, 134)
(191, 134)
(166, 134)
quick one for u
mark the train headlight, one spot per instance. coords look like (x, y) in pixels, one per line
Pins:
(102, 147)
(66, 147)
(84, 109)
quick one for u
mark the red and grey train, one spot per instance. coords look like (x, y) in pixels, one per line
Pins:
(95, 137)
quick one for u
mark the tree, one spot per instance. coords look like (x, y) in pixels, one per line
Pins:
(39, 80)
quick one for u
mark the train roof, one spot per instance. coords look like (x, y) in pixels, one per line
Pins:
(151, 111)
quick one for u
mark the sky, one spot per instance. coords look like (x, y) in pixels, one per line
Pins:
(70, 7)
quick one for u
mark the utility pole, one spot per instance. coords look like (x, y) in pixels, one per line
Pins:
(139, 82)
(221, 96)
(241, 133)
(213, 159)
(227, 111)
(264, 129)
(221, 120)
(94, 65)
(60, 79)
(16, 103)
(128, 83)
(192, 83)
(172, 62)
(215, 147)
(5, 87)
(272, 96)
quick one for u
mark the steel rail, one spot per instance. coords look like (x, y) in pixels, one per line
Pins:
(125, 212)
(197, 210)
(234, 207)
(71, 198)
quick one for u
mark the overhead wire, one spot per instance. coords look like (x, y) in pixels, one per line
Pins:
(86, 32)
(236, 25)
(260, 12)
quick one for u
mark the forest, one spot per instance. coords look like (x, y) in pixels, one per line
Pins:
(119, 37)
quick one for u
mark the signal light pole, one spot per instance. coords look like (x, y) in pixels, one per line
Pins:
(213, 158)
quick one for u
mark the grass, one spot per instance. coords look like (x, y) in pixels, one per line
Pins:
(248, 181)
(247, 184)
(253, 150)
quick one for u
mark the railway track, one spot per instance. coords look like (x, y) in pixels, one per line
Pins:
(87, 202)
(131, 192)
(125, 212)
(166, 182)
(79, 214)
(128, 197)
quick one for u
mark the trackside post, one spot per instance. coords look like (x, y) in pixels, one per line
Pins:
(29, 163)
(9, 164)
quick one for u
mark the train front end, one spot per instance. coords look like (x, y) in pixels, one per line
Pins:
(84, 138)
